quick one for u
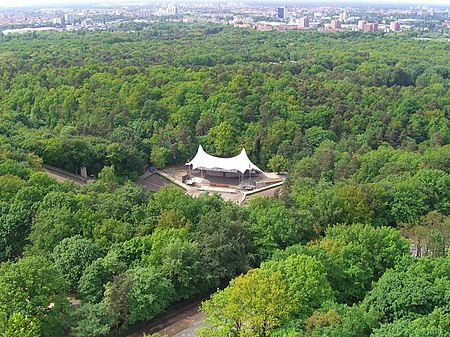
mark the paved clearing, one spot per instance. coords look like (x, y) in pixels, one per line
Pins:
(155, 182)
(266, 193)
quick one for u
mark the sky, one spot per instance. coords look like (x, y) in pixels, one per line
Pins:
(65, 3)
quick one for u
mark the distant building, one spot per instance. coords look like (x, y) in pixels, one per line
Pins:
(69, 19)
(368, 27)
(172, 10)
(361, 24)
(318, 15)
(28, 30)
(304, 22)
(395, 26)
(264, 27)
(282, 13)
(57, 21)
(87, 22)
(144, 14)
(335, 24)
(343, 17)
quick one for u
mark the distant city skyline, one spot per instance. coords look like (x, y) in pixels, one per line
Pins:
(37, 3)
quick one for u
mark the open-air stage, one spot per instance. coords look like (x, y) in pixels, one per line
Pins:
(234, 178)
(231, 189)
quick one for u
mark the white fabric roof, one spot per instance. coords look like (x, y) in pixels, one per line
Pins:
(205, 161)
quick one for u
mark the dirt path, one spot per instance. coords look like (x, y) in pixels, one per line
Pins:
(181, 322)
(62, 175)
(185, 327)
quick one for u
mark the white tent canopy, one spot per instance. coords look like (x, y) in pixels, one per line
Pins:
(206, 162)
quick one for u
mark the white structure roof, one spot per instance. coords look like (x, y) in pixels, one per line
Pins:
(239, 163)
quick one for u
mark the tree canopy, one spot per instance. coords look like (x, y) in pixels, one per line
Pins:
(355, 244)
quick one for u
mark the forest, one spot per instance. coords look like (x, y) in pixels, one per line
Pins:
(356, 245)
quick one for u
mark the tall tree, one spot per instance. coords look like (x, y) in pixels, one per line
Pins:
(33, 287)
(71, 257)
(253, 304)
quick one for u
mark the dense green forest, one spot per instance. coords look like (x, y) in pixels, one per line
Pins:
(355, 246)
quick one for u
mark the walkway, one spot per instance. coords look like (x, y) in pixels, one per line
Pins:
(179, 321)
(62, 175)
(185, 327)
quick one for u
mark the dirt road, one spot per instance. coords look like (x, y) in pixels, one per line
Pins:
(185, 327)
(180, 322)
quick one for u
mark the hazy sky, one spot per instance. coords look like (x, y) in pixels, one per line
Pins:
(20, 3)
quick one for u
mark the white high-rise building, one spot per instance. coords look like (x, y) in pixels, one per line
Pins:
(69, 19)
